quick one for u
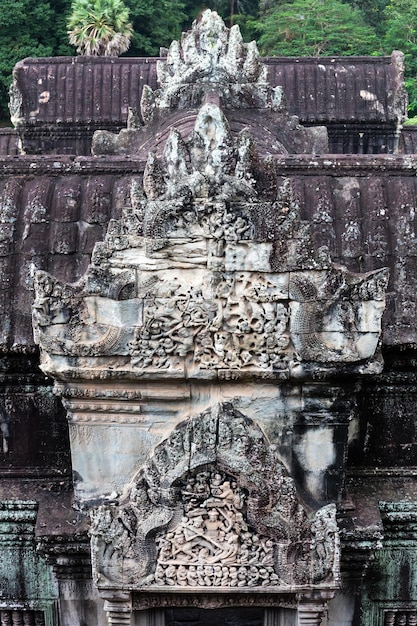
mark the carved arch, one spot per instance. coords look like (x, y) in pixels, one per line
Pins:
(214, 498)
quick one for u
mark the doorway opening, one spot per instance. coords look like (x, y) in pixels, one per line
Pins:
(214, 617)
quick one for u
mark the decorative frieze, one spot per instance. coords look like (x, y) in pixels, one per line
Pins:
(400, 522)
(148, 600)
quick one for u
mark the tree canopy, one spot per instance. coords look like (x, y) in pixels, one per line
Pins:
(155, 23)
(313, 28)
(99, 27)
(281, 27)
(401, 34)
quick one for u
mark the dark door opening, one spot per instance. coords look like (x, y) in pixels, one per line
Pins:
(215, 617)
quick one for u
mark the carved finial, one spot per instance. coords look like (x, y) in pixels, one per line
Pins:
(147, 104)
(133, 120)
(211, 53)
(253, 69)
(153, 180)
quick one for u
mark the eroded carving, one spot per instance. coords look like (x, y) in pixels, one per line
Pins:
(211, 52)
(188, 285)
(212, 545)
(211, 66)
(214, 507)
(210, 272)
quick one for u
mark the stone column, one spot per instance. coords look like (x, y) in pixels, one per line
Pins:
(79, 601)
(119, 610)
(310, 613)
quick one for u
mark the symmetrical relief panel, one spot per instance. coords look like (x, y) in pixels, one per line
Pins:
(210, 272)
(214, 507)
(190, 284)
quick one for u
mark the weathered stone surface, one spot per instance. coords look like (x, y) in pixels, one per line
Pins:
(199, 75)
(206, 495)
(214, 343)
(9, 141)
(211, 269)
(25, 579)
(361, 100)
(368, 237)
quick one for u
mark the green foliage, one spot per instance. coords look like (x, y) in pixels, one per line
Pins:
(248, 25)
(29, 28)
(401, 34)
(232, 11)
(313, 28)
(155, 23)
(99, 27)
(373, 12)
(411, 87)
(412, 121)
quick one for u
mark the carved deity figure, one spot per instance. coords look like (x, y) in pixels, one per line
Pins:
(212, 543)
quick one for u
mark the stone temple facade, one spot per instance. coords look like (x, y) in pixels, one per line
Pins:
(208, 344)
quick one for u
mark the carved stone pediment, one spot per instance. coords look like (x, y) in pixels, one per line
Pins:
(210, 273)
(214, 508)
(212, 65)
(203, 279)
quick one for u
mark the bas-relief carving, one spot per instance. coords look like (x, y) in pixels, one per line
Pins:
(214, 507)
(188, 287)
(210, 272)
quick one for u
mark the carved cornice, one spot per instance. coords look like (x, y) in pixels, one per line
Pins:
(69, 556)
(146, 600)
(358, 549)
(359, 166)
(17, 520)
(400, 522)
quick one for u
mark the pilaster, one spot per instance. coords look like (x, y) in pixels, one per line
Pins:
(310, 612)
(118, 609)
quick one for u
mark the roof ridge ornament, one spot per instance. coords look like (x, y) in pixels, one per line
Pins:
(211, 57)
(211, 65)
(211, 53)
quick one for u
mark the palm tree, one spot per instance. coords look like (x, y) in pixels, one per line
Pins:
(99, 27)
